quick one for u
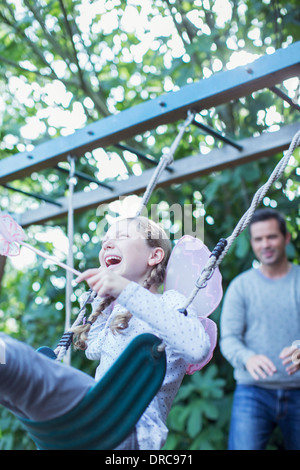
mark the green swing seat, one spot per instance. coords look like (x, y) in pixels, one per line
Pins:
(110, 410)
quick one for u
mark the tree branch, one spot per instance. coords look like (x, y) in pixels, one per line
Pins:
(50, 76)
(50, 38)
(26, 38)
(100, 104)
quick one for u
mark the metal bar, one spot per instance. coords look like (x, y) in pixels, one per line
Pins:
(285, 97)
(185, 168)
(34, 195)
(140, 155)
(86, 177)
(216, 134)
(220, 88)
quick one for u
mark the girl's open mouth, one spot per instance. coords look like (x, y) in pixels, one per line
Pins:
(112, 260)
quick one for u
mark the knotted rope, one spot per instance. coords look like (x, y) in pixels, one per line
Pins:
(223, 246)
(220, 249)
(165, 160)
(66, 339)
(62, 346)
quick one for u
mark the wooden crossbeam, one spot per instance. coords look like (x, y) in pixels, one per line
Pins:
(220, 88)
(184, 169)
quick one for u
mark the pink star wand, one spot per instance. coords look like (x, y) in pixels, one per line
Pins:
(12, 235)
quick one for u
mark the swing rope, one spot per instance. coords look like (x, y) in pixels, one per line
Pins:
(223, 245)
(99, 422)
(64, 343)
(70, 260)
(165, 160)
(220, 249)
(66, 339)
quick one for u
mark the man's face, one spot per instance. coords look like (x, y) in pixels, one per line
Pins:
(268, 243)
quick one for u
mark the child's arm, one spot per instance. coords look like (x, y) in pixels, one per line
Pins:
(184, 334)
(104, 282)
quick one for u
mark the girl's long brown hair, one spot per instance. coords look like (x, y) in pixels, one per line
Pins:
(155, 236)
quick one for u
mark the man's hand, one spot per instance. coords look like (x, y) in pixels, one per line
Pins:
(260, 366)
(104, 282)
(290, 355)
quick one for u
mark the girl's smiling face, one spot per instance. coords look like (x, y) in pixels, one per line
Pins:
(125, 251)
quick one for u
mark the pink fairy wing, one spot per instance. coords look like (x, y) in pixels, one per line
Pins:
(211, 329)
(185, 266)
(10, 232)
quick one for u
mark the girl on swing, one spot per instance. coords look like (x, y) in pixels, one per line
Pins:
(133, 261)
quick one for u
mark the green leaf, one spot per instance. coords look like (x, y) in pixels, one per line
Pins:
(211, 411)
(194, 422)
(178, 417)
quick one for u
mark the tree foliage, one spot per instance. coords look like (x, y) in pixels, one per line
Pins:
(67, 63)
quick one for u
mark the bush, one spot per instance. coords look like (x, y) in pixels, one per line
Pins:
(200, 414)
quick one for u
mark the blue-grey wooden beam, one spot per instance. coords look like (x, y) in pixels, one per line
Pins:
(186, 168)
(220, 88)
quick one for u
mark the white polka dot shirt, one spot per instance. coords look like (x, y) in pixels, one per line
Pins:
(184, 337)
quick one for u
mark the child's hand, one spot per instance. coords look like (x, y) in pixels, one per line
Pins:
(104, 282)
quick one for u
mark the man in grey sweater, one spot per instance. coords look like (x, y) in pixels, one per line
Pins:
(260, 336)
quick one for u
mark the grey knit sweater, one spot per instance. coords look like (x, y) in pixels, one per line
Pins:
(261, 316)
